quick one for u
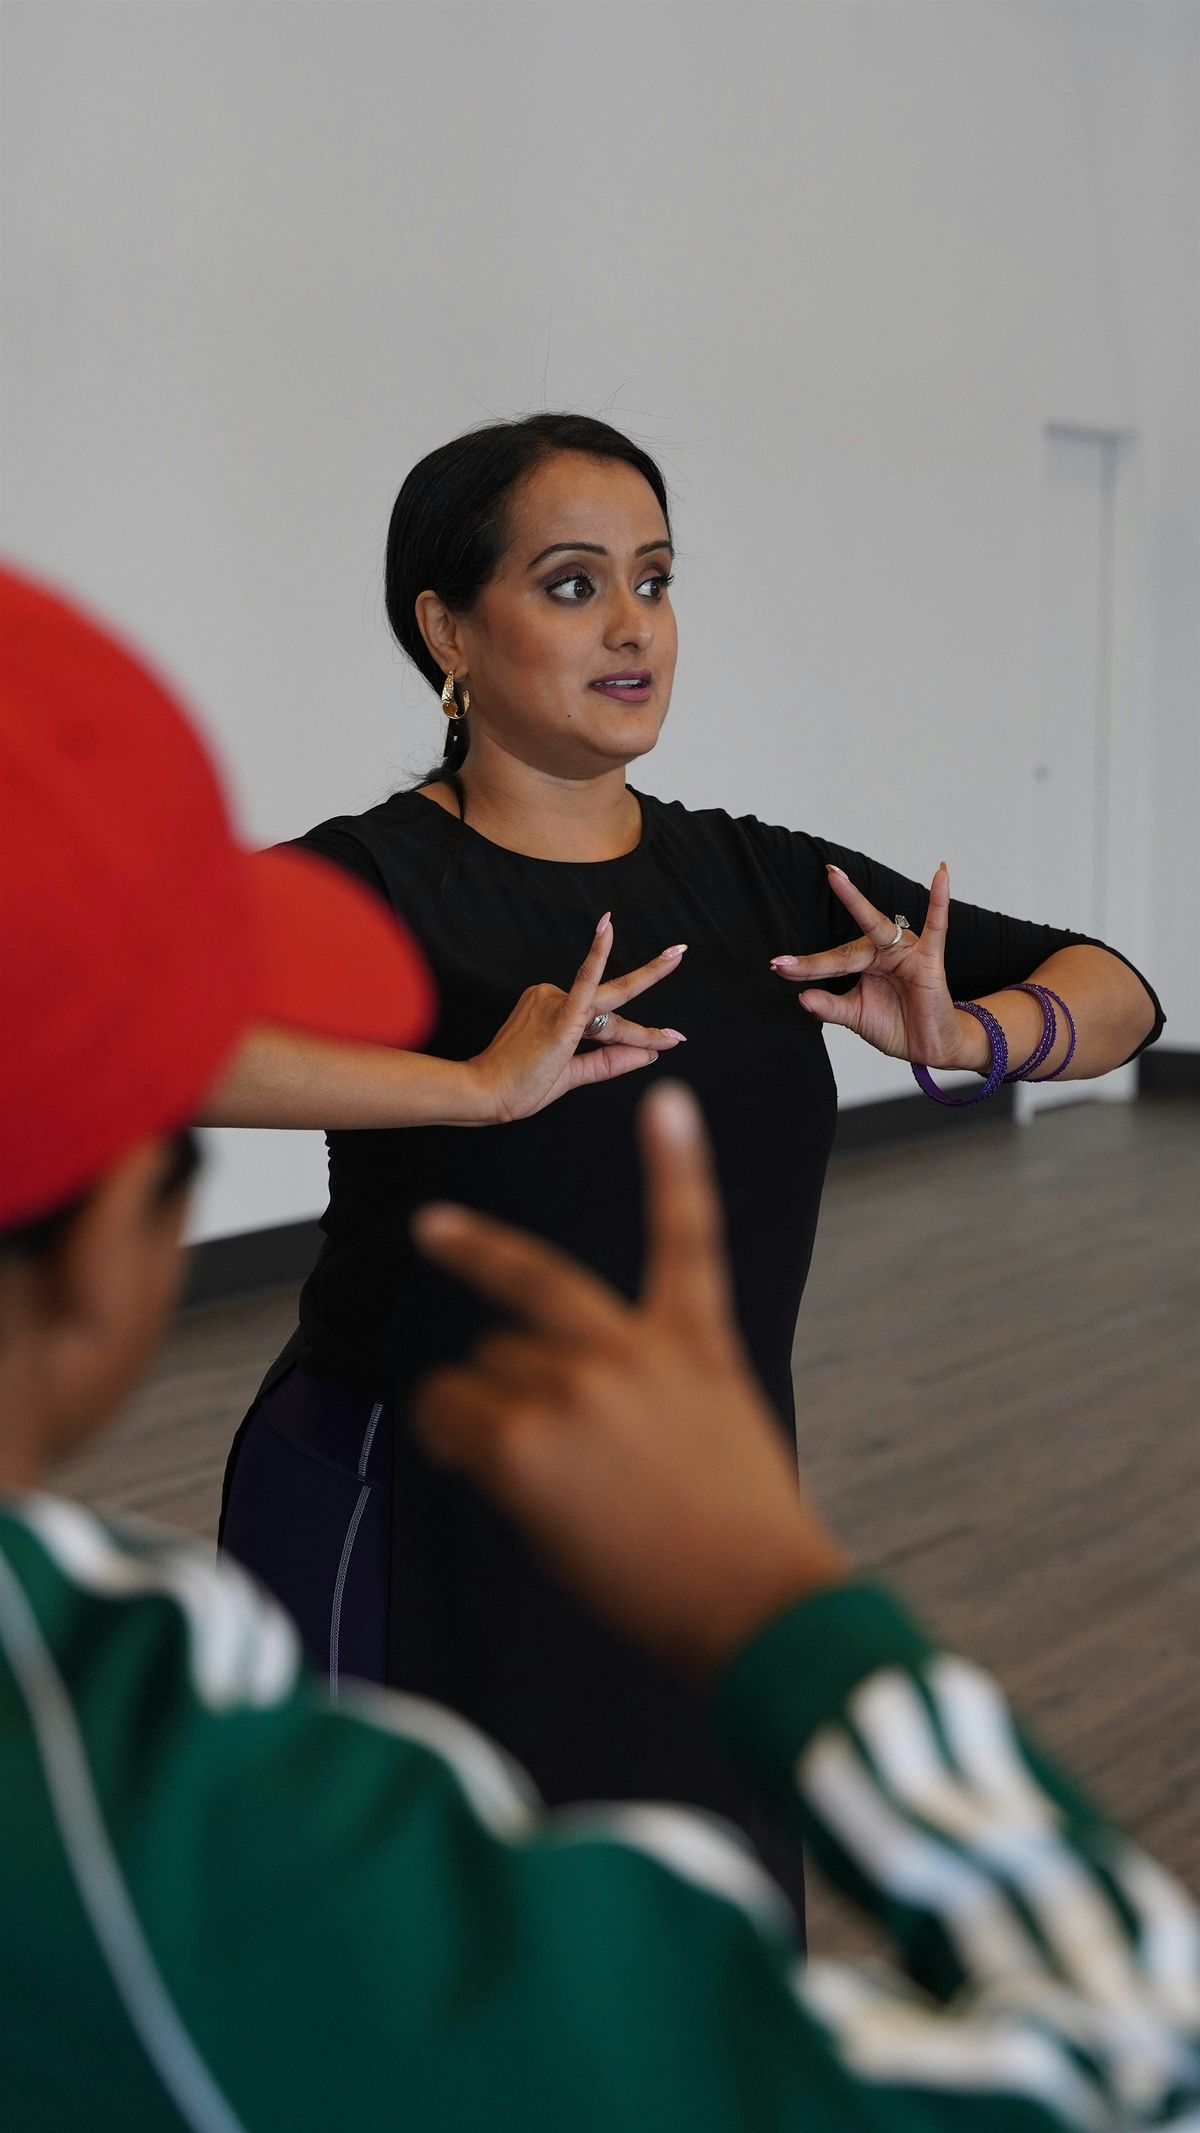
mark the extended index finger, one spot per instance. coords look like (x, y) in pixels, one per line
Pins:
(617, 992)
(533, 1280)
(879, 929)
(581, 999)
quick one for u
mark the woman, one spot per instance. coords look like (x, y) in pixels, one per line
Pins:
(528, 576)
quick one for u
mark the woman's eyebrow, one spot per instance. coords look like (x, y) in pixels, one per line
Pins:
(594, 548)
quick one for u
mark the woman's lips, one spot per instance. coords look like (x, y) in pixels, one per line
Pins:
(625, 688)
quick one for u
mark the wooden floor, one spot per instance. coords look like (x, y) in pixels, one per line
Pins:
(998, 1379)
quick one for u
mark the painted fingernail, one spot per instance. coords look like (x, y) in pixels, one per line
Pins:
(677, 1034)
(783, 962)
(604, 921)
(680, 948)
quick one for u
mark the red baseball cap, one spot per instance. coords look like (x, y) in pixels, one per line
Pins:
(138, 939)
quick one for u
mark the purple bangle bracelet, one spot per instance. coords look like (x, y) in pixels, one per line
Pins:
(1045, 1044)
(1048, 1001)
(1046, 995)
(996, 1072)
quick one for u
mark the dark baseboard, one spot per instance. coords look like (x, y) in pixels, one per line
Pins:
(226, 1269)
(1168, 1071)
(910, 1118)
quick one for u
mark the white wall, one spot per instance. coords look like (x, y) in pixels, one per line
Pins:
(838, 262)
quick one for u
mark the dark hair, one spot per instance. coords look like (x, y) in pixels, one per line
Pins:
(38, 1238)
(449, 524)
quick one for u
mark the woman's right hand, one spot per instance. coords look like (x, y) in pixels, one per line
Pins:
(534, 1058)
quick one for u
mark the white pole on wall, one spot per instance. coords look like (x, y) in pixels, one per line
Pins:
(1088, 773)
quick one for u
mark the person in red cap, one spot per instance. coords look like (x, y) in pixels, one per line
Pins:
(226, 1905)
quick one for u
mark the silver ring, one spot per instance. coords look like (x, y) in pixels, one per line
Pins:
(901, 924)
(597, 1023)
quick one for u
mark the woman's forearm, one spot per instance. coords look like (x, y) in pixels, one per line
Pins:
(277, 1078)
(1110, 1007)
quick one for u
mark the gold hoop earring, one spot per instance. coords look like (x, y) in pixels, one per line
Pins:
(450, 704)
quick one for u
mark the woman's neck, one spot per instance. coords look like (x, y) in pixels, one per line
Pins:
(543, 816)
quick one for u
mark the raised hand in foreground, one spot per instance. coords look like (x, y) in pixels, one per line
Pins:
(631, 1442)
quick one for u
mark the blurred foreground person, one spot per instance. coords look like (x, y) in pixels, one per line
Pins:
(226, 1905)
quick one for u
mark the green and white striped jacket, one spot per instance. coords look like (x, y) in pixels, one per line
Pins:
(227, 1906)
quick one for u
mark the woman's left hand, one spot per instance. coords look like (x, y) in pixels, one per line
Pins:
(901, 1004)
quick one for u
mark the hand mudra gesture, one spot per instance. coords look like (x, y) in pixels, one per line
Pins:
(901, 1004)
(535, 1058)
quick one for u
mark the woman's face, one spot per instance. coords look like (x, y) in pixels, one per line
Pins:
(569, 653)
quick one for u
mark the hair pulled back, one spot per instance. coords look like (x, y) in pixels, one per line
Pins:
(449, 524)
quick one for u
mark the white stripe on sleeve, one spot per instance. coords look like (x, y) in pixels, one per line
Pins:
(1168, 1929)
(500, 1793)
(910, 1866)
(96, 1871)
(998, 1816)
(888, 2039)
(699, 1848)
(243, 1648)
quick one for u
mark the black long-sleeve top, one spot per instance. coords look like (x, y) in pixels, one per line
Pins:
(474, 1621)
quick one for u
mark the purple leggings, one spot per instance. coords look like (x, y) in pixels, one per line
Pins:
(308, 1510)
